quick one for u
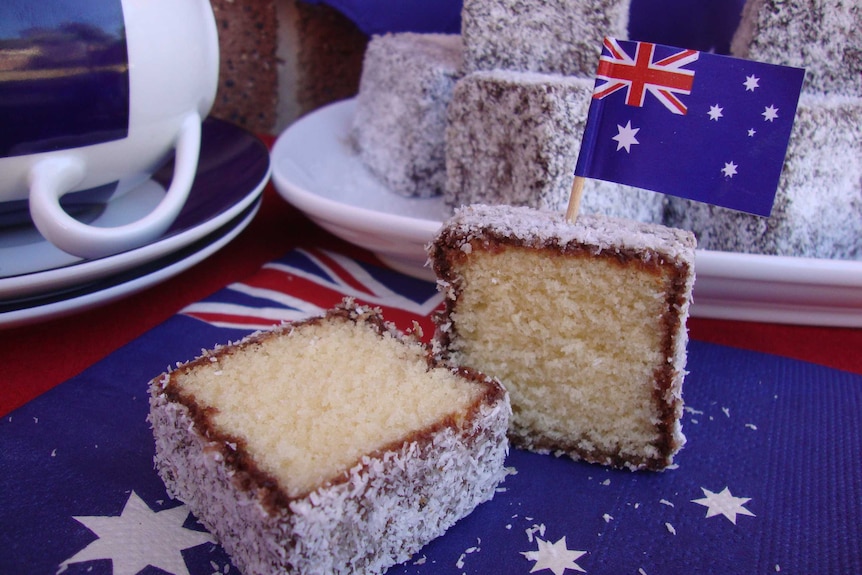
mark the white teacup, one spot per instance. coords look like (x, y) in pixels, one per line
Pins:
(94, 92)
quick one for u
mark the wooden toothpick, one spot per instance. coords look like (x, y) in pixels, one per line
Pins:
(575, 199)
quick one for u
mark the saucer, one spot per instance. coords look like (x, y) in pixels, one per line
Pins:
(232, 171)
(52, 305)
(316, 169)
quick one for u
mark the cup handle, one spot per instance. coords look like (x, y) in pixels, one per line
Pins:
(53, 177)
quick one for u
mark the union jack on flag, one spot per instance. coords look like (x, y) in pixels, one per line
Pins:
(716, 130)
(307, 282)
(642, 73)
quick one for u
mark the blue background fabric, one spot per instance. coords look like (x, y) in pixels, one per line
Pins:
(701, 25)
(776, 440)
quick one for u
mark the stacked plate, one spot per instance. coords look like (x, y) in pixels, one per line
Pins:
(316, 169)
(38, 281)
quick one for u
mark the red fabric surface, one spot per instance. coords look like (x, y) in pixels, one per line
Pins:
(35, 358)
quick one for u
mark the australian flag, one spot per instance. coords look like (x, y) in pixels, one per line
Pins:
(691, 124)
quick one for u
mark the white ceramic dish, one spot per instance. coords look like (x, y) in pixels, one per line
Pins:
(109, 289)
(316, 169)
(232, 172)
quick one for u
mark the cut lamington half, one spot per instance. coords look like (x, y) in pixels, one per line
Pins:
(583, 323)
(335, 445)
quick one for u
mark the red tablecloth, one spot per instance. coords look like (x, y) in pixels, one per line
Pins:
(35, 358)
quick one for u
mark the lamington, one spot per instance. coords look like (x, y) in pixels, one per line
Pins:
(400, 121)
(824, 37)
(513, 138)
(818, 204)
(333, 445)
(552, 36)
(583, 323)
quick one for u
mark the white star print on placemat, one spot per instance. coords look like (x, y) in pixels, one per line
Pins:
(139, 537)
(723, 503)
(554, 556)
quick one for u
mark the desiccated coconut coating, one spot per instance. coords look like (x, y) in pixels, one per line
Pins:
(553, 36)
(513, 138)
(818, 205)
(332, 446)
(583, 323)
(400, 121)
(822, 36)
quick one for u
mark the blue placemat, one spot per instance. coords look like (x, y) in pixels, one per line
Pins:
(769, 481)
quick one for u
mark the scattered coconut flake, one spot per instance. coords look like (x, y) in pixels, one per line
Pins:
(726, 411)
(641, 571)
(607, 517)
(54, 452)
(606, 482)
(460, 562)
(751, 426)
(421, 561)
(666, 502)
(670, 528)
(540, 529)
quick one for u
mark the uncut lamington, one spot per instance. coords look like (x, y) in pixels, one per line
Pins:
(824, 37)
(553, 36)
(513, 138)
(399, 126)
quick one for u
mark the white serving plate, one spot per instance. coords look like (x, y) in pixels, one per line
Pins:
(316, 169)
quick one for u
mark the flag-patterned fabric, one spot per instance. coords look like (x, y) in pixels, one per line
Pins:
(768, 482)
(691, 124)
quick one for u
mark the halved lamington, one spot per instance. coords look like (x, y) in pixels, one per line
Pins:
(583, 323)
(335, 445)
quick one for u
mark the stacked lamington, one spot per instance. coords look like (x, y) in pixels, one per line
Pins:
(818, 206)
(498, 118)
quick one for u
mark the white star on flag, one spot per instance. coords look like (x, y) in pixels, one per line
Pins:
(139, 537)
(554, 556)
(751, 82)
(723, 503)
(770, 113)
(715, 112)
(625, 137)
(729, 169)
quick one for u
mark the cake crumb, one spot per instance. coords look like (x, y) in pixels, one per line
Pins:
(670, 528)
(540, 529)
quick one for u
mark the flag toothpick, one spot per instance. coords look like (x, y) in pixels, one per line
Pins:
(575, 199)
